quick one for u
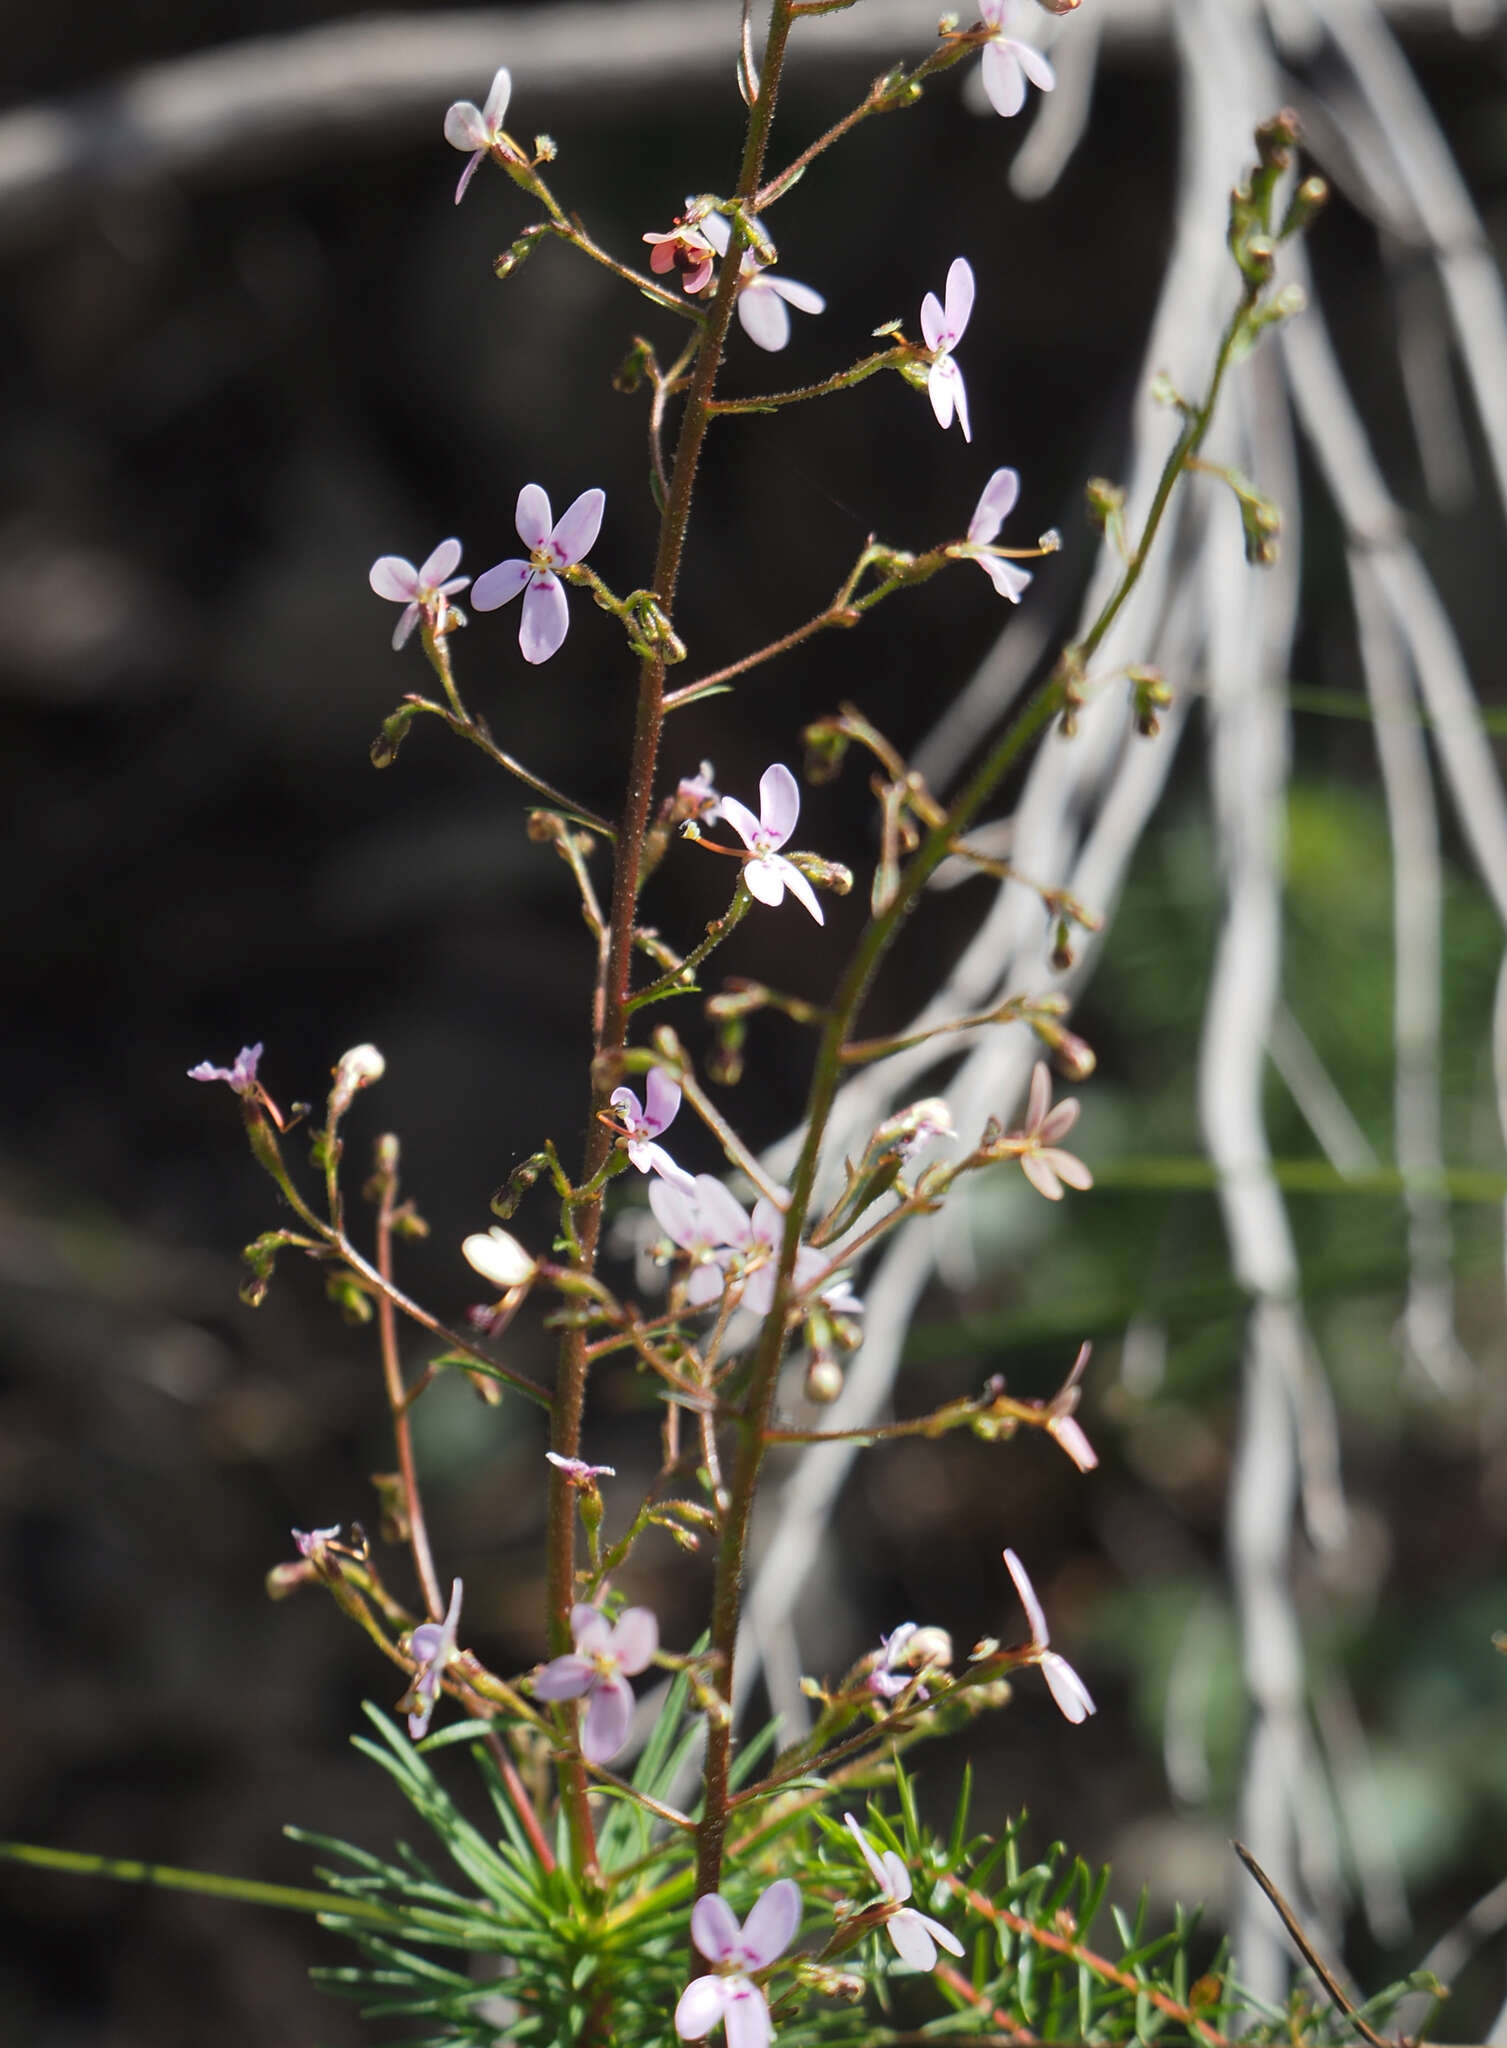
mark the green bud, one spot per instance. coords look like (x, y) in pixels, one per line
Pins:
(519, 252)
(629, 373)
(1106, 502)
(384, 748)
(1304, 207)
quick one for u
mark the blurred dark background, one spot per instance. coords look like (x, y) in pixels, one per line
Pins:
(225, 391)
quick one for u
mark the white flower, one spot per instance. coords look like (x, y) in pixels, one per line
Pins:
(768, 874)
(498, 1257)
(1007, 63)
(1067, 1688)
(989, 515)
(762, 297)
(914, 1934)
(479, 129)
(943, 328)
(424, 591)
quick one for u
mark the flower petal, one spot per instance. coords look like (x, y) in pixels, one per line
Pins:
(609, 1713)
(742, 820)
(546, 618)
(465, 127)
(1067, 1166)
(1009, 581)
(663, 1101)
(943, 382)
(701, 2006)
(677, 1212)
(1069, 1434)
(714, 1928)
(896, 1877)
(405, 625)
(960, 399)
(1068, 1689)
(564, 1678)
(799, 887)
(933, 324)
(801, 296)
(1028, 1600)
(532, 517)
(723, 1216)
(765, 876)
(779, 802)
(959, 295)
(941, 1935)
(747, 2015)
(440, 564)
(764, 316)
(1038, 1171)
(393, 577)
(500, 585)
(870, 1854)
(1059, 1121)
(1039, 1099)
(718, 230)
(768, 1223)
(625, 1100)
(758, 1290)
(1003, 79)
(1036, 66)
(635, 1639)
(472, 167)
(912, 1942)
(497, 98)
(590, 1630)
(579, 525)
(706, 1284)
(772, 1925)
(996, 503)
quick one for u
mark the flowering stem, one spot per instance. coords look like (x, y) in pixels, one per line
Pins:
(887, 95)
(874, 942)
(682, 980)
(475, 730)
(858, 1052)
(843, 380)
(392, 1374)
(612, 999)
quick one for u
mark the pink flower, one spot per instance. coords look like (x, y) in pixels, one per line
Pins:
(762, 298)
(551, 547)
(914, 1934)
(768, 874)
(890, 1676)
(731, 1996)
(686, 249)
(431, 1646)
(989, 515)
(1042, 1161)
(702, 1219)
(595, 1671)
(480, 129)
(241, 1077)
(1067, 1688)
(642, 1124)
(1007, 64)
(423, 592)
(943, 328)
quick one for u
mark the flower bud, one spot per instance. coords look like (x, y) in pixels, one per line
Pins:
(824, 1381)
(498, 1257)
(1106, 501)
(357, 1069)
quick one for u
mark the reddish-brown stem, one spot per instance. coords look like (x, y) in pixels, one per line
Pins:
(397, 1400)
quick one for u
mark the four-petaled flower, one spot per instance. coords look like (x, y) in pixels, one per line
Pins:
(1067, 1688)
(241, 1077)
(914, 1934)
(1042, 1161)
(431, 1646)
(763, 299)
(643, 1122)
(479, 129)
(686, 249)
(1007, 63)
(989, 515)
(768, 873)
(731, 1995)
(598, 1670)
(423, 592)
(943, 328)
(553, 545)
